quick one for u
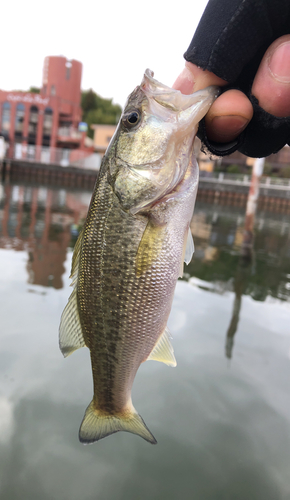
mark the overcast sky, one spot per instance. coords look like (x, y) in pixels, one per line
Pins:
(115, 40)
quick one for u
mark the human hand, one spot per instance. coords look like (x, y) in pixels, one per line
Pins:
(232, 111)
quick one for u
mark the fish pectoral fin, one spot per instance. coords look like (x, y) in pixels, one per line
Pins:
(163, 350)
(188, 251)
(96, 425)
(150, 247)
(70, 331)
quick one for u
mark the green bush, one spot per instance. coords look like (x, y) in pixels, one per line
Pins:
(234, 169)
(285, 172)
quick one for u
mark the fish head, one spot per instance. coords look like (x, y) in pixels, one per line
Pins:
(154, 141)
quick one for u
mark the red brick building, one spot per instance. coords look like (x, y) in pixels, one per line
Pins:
(49, 119)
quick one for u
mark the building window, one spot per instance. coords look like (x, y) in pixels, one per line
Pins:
(32, 127)
(5, 124)
(19, 120)
(52, 90)
(68, 66)
(47, 126)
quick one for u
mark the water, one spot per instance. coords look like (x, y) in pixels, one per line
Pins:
(221, 417)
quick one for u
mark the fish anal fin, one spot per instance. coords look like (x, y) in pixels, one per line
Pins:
(97, 425)
(188, 251)
(163, 350)
(70, 331)
(150, 247)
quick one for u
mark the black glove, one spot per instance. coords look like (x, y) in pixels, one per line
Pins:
(230, 41)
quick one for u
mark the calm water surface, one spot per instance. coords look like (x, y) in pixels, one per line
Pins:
(221, 417)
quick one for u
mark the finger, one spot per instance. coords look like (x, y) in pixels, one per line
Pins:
(192, 78)
(271, 85)
(228, 116)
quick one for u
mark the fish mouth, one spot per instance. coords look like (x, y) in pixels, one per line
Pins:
(172, 98)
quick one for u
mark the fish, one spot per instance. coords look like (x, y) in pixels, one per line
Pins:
(131, 250)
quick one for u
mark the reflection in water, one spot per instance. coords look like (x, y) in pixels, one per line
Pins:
(6, 420)
(240, 283)
(224, 431)
(45, 222)
(39, 221)
(218, 235)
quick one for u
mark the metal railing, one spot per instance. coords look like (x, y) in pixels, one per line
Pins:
(55, 156)
(244, 180)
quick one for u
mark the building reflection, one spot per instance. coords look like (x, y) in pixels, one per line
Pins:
(40, 221)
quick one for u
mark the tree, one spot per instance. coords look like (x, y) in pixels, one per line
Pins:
(34, 90)
(96, 109)
(88, 101)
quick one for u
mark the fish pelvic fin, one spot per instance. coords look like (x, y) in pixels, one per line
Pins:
(70, 331)
(163, 350)
(97, 425)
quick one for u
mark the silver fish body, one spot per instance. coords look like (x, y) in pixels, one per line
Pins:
(130, 252)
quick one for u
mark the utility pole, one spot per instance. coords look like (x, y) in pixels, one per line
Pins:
(247, 245)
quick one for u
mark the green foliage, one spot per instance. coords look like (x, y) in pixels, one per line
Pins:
(88, 101)
(267, 169)
(285, 172)
(219, 167)
(278, 171)
(96, 109)
(229, 169)
(34, 90)
(234, 169)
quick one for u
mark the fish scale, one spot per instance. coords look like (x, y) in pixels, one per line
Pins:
(130, 252)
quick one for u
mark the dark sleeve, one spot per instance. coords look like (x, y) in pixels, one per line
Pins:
(230, 41)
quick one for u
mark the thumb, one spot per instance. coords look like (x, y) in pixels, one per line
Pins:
(271, 85)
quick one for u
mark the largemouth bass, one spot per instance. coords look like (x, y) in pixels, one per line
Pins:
(130, 252)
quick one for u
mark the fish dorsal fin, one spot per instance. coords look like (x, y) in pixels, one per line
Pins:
(188, 251)
(76, 259)
(70, 331)
(163, 350)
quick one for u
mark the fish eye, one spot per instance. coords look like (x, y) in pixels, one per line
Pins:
(131, 119)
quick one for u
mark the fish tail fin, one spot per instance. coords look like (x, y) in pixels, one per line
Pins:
(96, 425)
